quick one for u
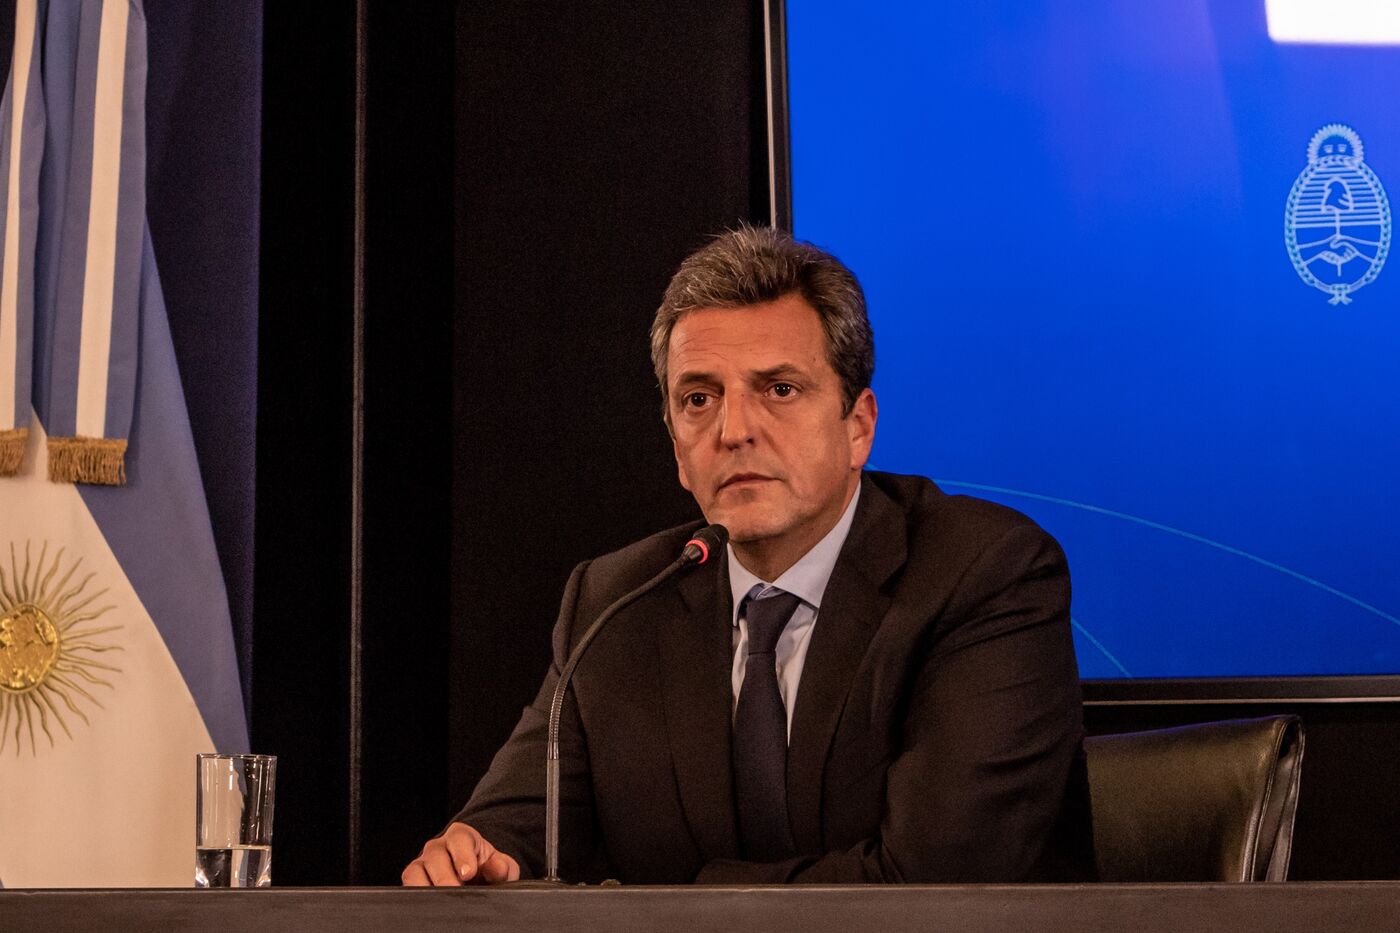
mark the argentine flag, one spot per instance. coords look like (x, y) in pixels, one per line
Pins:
(117, 661)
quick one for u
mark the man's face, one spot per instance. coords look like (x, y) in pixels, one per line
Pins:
(756, 422)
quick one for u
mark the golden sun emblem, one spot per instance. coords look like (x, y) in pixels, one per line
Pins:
(48, 646)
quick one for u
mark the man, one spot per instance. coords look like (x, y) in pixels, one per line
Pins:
(876, 682)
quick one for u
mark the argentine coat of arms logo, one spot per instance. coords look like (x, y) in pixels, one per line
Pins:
(1337, 224)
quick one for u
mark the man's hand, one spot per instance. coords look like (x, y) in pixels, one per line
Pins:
(460, 856)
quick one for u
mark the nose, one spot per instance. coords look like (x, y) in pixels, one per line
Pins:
(736, 425)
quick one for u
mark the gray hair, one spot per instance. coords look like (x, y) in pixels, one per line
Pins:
(754, 265)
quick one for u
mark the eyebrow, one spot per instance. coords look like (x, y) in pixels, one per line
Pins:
(782, 369)
(693, 377)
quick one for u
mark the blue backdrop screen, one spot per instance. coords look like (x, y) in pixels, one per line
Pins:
(1126, 264)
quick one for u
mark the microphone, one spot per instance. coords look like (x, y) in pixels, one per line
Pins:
(697, 550)
(704, 543)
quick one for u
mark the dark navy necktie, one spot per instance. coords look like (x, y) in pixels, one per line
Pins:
(760, 735)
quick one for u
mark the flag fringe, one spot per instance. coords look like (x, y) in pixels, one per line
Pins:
(96, 460)
(12, 444)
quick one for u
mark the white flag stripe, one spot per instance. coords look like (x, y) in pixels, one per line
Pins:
(9, 276)
(95, 345)
(113, 806)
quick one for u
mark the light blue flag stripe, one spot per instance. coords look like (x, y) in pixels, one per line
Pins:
(68, 44)
(60, 61)
(131, 235)
(19, 210)
(98, 274)
(160, 520)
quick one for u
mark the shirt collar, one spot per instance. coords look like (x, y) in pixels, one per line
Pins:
(805, 579)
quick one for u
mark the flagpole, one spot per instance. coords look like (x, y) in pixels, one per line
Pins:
(357, 442)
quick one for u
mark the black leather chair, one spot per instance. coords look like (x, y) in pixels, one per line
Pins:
(1210, 802)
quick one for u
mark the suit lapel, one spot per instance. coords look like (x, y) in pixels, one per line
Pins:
(696, 647)
(851, 610)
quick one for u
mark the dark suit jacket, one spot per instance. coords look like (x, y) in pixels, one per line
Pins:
(936, 736)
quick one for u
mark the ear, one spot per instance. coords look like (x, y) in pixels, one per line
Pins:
(860, 428)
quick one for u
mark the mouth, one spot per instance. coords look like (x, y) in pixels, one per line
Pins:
(741, 480)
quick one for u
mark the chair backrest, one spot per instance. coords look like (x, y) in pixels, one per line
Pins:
(1209, 802)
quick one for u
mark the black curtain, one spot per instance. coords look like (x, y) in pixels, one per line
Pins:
(203, 125)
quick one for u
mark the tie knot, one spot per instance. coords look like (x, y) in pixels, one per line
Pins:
(767, 616)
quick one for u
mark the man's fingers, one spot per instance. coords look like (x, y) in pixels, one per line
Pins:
(433, 867)
(493, 866)
(414, 875)
(441, 866)
(498, 868)
(445, 861)
(459, 855)
(463, 845)
(447, 870)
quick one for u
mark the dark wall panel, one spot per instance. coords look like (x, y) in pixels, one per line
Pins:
(408, 433)
(300, 654)
(597, 143)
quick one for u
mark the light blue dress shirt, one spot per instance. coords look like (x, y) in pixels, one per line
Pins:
(806, 580)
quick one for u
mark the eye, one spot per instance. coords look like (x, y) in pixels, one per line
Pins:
(784, 390)
(696, 400)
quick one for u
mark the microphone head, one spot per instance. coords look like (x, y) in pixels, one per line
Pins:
(703, 543)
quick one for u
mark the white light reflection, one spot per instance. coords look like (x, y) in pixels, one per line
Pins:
(1334, 22)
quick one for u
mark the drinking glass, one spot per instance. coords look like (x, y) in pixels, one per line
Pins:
(233, 820)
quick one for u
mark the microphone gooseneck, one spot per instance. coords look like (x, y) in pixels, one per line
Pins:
(705, 543)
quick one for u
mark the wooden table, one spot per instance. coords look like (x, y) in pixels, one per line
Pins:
(1268, 908)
